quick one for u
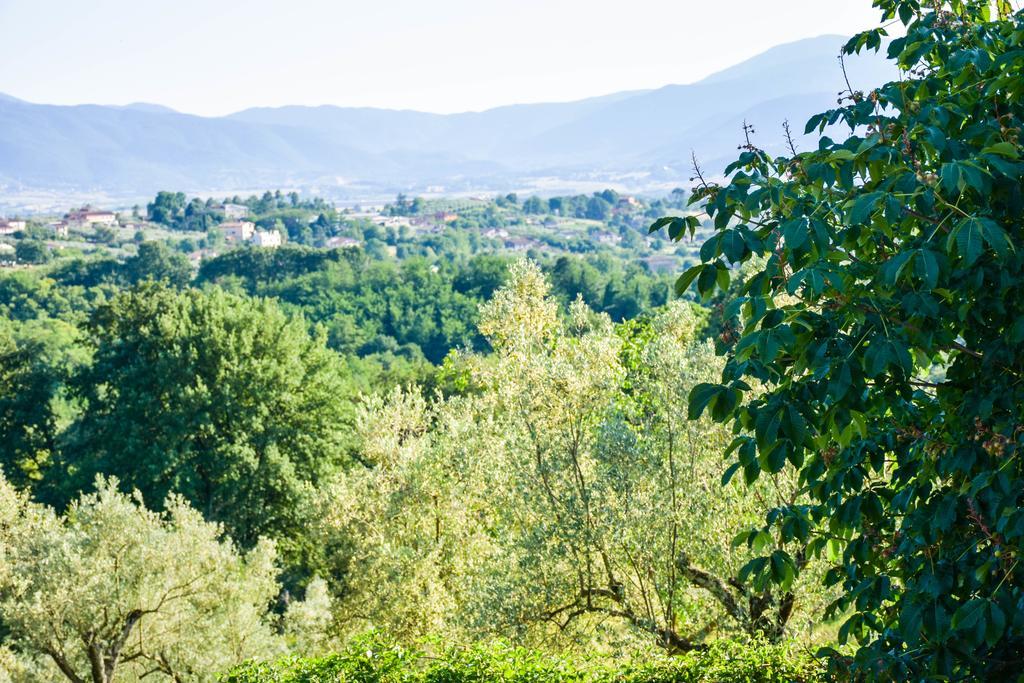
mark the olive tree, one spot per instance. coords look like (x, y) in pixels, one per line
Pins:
(112, 590)
(559, 493)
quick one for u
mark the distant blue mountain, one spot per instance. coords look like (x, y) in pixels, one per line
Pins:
(151, 108)
(139, 148)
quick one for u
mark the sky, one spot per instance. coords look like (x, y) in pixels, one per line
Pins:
(213, 57)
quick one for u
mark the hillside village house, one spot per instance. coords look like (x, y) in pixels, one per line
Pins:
(628, 201)
(90, 216)
(234, 212)
(266, 238)
(394, 222)
(9, 227)
(60, 229)
(237, 231)
(340, 242)
(607, 238)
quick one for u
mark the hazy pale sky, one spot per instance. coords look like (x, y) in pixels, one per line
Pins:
(213, 57)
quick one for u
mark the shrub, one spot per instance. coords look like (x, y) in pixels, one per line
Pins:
(376, 659)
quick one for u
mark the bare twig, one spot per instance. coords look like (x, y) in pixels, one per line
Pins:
(789, 137)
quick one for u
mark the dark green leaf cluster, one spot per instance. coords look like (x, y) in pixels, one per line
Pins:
(880, 350)
(225, 400)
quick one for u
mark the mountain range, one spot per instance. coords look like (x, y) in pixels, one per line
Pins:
(640, 139)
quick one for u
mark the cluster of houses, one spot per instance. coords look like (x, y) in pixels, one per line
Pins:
(245, 232)
(513, 242)
(236, 230)
(88, 216)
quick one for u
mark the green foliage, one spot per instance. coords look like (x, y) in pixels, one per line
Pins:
(35, 360)
(167, 208)
(156, 262)
(376, 659)
(223, 399)
(262, 266)
(414, 308)
(31, 252)
(890, 254)
(367, 307)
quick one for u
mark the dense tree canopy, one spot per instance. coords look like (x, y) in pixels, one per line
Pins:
(879, 351)
(35, 362)
(223, 399)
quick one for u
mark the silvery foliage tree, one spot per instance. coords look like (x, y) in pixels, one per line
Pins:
(113, 591)
(559, 493)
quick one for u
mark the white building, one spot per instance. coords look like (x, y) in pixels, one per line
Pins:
(266, 238)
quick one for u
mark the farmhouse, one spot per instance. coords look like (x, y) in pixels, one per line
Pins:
(237, 231)
(234, 212)
(90, 216)
(11, 226)
(340, 242)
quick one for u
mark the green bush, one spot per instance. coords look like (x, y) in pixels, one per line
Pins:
(376, 659)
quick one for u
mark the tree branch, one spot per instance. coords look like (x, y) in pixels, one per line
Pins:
(63, 665)
(718, 588)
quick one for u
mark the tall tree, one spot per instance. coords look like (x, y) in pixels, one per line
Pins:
(167, 208)
(27, 421)
(155, 261)
(221, 398)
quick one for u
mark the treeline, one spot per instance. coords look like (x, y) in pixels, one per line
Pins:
(607, 206)
(312, 222)
(302, 220)
(595, 206)
(415, 308)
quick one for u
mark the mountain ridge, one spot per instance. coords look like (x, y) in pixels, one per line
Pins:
(142, 147)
